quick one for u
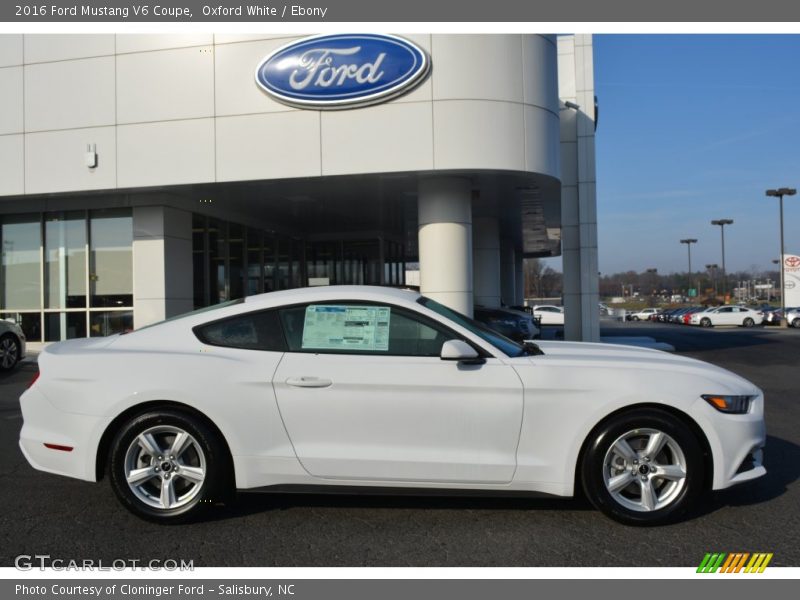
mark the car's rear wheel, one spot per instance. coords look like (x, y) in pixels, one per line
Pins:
(168, 466)
(796, 323)
(9, 352)
(748, 322)
(705, 322)
(643, 467)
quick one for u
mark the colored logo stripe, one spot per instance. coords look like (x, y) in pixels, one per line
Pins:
(734, 562)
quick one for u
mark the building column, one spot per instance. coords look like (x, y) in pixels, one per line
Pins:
(507, 273)
(578, 195)
(444, 207)
(486, 261)
(162, 264)
(519, 278)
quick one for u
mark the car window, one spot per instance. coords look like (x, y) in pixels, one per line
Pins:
(360, 328)
(259, 330)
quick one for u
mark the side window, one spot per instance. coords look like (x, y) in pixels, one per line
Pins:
(251, 331)
(361, 329)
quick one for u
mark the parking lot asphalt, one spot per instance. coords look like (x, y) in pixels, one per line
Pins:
(69, 519)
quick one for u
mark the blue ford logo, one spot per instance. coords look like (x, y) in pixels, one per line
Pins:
(342, 71)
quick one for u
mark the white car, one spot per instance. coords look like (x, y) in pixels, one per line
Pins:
(364, 386)
(12, 344)
(793, 317)
(549, 314)
(644, 314)
(727, 315)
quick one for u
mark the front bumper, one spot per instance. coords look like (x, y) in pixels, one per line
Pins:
(737, 442)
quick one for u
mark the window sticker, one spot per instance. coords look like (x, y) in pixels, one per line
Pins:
(340, 327)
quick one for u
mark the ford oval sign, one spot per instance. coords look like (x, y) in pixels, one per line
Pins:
(342, 71)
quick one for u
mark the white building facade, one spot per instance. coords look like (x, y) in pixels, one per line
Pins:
(142, 176)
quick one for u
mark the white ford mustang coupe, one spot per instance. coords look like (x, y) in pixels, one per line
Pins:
(375, 387)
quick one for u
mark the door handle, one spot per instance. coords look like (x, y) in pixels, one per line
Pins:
(309, 382)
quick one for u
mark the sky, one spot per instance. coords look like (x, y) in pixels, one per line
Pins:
(695, 128)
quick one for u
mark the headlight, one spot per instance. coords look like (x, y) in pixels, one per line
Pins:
(734, 405)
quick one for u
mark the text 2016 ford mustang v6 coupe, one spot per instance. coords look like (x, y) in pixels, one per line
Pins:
(362, 386)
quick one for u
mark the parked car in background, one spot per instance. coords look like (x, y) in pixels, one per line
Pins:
(727, 315)
(793, 317)
(549, 314)
(773, 316)
(645, 314)
(513, 324)
(12, 345)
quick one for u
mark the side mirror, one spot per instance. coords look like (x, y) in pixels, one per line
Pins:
(460, 351)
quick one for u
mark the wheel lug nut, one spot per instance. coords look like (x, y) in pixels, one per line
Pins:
(644, 477)
(157, 469)
(647, 459)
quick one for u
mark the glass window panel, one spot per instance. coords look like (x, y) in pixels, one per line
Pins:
(269, 263)
(236, 260)
(200, 272)
(111, 258)
(30, 322)
(361, 329)
(109, 323)
(251, 331)
(21, 238)
(65, 261)
(64, 326)
(217, 253)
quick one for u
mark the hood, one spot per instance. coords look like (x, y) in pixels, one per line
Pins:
(634, 358)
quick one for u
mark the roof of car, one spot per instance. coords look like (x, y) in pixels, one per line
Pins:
(362, 292)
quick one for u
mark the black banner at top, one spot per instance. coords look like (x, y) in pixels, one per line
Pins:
(360, 11)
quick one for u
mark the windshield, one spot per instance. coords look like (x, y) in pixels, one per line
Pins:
(501, 342)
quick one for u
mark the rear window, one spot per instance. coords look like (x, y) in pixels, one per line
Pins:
(250, 331)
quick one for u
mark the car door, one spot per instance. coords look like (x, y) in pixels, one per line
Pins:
(726, 316)
(364, 395)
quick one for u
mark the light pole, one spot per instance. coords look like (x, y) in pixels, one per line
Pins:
(712, 268)
(689, 242)
(780, 193)
(722, 223)
(652, 282)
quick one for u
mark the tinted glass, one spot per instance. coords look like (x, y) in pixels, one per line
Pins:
(250, 331)
(361, 329)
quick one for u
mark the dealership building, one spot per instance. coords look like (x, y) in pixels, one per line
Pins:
(143, 176)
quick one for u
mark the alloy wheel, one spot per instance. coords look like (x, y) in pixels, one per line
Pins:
(645, 470)
(9, 352)
(165, 467)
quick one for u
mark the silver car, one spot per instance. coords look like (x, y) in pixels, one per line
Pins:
(12, 344)
(793, 317)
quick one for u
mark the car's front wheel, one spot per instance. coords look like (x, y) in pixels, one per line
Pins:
(705, 322)
(643, 467)
(9, 352)
(168, 466)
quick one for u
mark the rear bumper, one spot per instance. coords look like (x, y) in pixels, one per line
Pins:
(45, 424)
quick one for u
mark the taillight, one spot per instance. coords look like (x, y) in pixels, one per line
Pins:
(35, 377)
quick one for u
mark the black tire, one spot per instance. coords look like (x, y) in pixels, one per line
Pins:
(9, 351)
(705, 322)
(634, 318)
(796, 323)
(593, 467)
(748, 322)
(217, 484)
